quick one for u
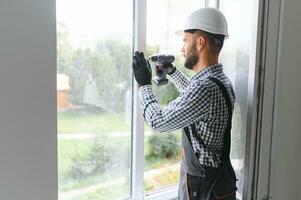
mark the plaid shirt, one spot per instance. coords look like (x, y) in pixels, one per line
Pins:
(201, 103)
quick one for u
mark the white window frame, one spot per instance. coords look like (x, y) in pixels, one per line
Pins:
(139, 44)
(267, 48)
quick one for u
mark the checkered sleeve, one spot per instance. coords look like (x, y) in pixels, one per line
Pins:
(190, 105)
(180, 80)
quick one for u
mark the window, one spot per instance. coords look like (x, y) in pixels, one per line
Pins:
(94, 87)
(99, 144)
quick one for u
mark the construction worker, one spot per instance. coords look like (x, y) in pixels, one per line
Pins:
(203, 110)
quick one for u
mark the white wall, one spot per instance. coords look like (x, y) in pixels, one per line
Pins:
(286, 150)
(28, 166)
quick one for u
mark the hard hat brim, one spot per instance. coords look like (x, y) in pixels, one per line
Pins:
(182, 31)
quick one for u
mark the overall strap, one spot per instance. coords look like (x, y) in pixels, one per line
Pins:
(227, 135)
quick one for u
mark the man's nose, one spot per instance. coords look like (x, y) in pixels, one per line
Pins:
(183, 51)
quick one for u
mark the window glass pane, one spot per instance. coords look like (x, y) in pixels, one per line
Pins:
(236, 58)
(94, 51)
(162, 150)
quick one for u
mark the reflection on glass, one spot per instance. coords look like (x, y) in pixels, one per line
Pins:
(236, 58)
(94, 99)
(162, 150)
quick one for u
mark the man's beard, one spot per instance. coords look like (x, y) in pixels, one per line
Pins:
(192, 59)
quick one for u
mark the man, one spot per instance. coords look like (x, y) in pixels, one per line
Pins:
(200, 110)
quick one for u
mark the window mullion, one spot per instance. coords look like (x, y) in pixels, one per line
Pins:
(139, 40)
(206, 3)
(212, 3)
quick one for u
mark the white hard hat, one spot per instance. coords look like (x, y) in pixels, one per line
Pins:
(207, 19)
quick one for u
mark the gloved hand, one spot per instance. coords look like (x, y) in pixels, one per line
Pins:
(170, 69)
(141, 69)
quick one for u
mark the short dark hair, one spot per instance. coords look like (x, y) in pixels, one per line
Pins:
(216, 41)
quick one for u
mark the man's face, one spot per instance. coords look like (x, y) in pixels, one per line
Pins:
(189, 51)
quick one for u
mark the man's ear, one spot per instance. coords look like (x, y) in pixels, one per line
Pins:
(201, 42)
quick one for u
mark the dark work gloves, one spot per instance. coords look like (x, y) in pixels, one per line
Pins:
(141, 69)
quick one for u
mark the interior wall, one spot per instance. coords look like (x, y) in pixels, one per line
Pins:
(28, 148)
(285, 163)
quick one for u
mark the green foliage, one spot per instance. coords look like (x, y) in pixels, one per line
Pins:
(108, 64)
(103, 158)
(163, 145)
(121, 56)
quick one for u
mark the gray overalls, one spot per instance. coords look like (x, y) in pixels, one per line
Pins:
(191, 166)
(201, 178)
